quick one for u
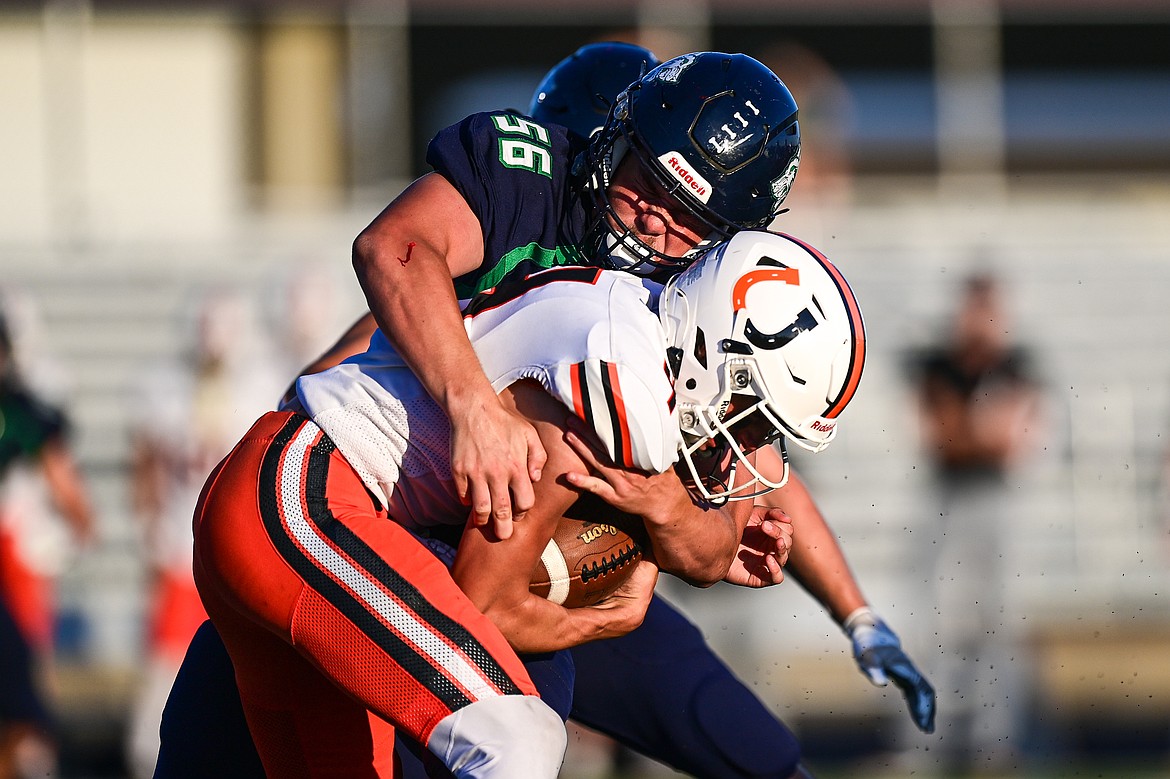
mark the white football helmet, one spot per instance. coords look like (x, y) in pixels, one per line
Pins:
(765, 340)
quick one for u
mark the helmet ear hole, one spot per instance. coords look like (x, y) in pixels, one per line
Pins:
(701, 347)
(674, 357)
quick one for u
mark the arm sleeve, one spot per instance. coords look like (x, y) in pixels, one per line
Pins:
(513, 173)
(457, 153)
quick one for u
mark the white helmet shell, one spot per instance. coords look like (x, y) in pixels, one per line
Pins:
(763, 324)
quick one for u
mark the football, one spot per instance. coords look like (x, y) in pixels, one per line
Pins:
(593, 551)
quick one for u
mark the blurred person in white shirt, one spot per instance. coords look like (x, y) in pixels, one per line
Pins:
(187, 415)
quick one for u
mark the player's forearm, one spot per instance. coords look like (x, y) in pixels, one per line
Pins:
(693, 543)
(494, 577)
(405, 261)
(819, 565)
(538, 625)
(817, 560)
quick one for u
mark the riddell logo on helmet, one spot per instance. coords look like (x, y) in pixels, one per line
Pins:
(675, 163)
(823, 427)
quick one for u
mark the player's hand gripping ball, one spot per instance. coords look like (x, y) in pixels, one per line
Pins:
(591, 554)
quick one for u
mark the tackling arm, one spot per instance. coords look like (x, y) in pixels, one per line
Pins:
(405, 260)
(816, 560)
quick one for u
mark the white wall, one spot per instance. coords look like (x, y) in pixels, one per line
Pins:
(23, 184)
(120, 128)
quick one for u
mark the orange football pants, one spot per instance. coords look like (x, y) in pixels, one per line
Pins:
(30, 595)
(340, 624)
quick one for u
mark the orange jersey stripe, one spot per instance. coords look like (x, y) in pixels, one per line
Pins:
(622, 424)
(578, 393)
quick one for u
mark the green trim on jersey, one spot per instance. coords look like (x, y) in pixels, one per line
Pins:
(533, 254)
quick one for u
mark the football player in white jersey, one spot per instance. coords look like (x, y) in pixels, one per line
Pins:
(604, 364)
(331, 611)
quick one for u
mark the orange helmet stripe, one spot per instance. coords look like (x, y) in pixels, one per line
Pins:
(739, 292)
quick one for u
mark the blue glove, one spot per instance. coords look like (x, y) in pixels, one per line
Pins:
(879, 655)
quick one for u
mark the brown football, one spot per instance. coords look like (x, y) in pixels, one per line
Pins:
(591, 554)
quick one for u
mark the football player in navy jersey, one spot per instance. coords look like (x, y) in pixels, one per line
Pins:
(698, 148)
(679, 703)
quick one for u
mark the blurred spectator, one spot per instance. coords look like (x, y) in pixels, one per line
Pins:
(39, 486)
(188, 415)
(25, 723)
(306, 316)
(979, 409)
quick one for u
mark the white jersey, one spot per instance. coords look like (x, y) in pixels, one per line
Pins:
(586, 335)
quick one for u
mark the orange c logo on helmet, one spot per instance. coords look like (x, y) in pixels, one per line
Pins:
(739, 292)
(804, 321)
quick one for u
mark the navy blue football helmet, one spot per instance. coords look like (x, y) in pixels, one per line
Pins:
(718, 131)
(580, 89)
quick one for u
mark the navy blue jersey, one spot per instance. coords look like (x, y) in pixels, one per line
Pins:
(515, 175)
